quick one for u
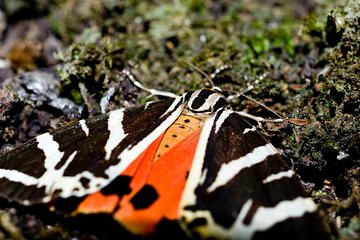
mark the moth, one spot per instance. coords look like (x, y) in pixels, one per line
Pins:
(189, 159)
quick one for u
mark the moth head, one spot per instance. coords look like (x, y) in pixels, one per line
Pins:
(206, 101)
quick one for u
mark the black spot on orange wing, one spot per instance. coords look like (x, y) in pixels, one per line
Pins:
(145, 197)
(186, 120)
(119, 186)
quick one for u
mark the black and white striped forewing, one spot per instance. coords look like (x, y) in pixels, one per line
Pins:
(85, 156)
(240, 188)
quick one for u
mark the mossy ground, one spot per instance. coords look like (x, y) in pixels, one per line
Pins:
(302, 55)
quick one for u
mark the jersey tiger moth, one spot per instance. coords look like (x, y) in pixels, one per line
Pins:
(189, 158)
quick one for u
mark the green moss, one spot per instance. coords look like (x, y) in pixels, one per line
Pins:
(207, 35)
(314, 25)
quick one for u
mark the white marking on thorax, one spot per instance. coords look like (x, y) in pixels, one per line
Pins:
(207, 105)
(116, 130)
(279, 175)
(232, 168)
(210, 102)
(194, 95)
(213, 99)
(84, 127)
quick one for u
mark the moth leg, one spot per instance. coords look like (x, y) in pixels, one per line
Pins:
(258, 119)
(104, 102)
(152, 91)
(125, 73)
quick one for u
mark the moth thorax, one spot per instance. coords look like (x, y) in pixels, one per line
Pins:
(206, 101)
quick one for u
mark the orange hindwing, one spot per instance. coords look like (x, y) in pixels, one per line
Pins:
(152, 171)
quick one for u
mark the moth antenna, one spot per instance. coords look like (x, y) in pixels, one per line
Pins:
(152, 91)
(212, 75)
(295, 121)
(202, 73)
(261, 104)
(258, 119)
(219, 70)
(236, 95)
(249, 88)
